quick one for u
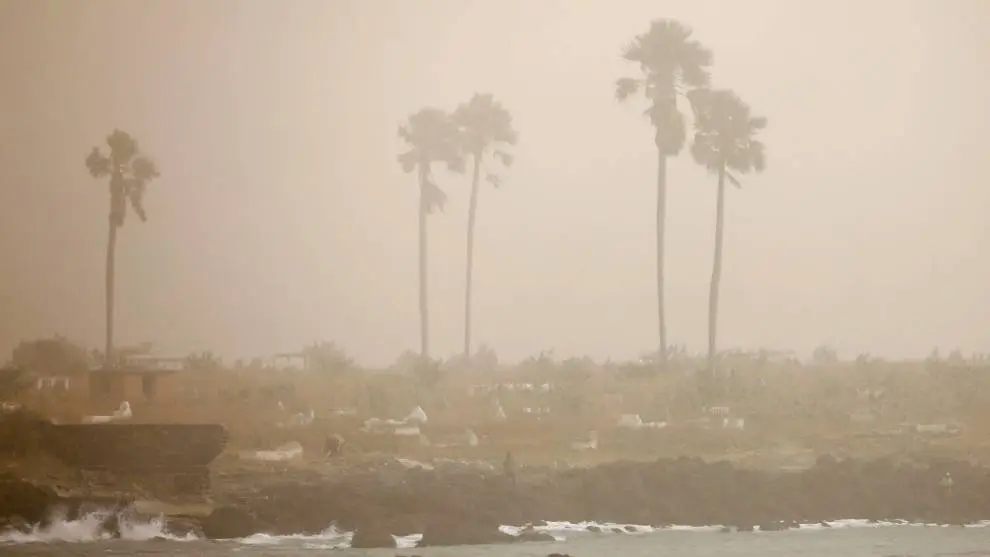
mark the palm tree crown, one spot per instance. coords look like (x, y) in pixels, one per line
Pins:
(671, 62)
(725, 134)
(432, 137)
(486, 126)
(129, 172)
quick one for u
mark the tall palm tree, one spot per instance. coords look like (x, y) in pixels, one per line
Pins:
(431, 137)
(724, 142)
(671, 63)
(129, 172)
(485, 128)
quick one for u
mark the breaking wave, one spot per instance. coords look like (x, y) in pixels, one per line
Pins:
(332, 538)
(90, 528)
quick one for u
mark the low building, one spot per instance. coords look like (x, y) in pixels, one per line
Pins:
(67, 394)
(133, 383)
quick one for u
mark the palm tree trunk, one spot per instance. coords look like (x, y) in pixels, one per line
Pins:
(109, 278)
(472, 212)
(661, 222)
(424, 318)
(716, 272)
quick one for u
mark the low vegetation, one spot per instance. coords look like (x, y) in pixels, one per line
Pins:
(541, 406)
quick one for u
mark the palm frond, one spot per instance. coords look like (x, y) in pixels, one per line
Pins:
(757, 123)
(97, 164)
(704, 152)
(144, 170)
(494, 179)
(758, 155)
(725, 133)
(407, 160)
(671, 62)
(698, 98)
(122, 146)
(694, 63)
(135, 194)
(434, 198)
(507, 159)
(434, 137)
(482, 124)
(626, 87)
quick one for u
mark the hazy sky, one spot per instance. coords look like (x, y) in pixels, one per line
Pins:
(282, 216)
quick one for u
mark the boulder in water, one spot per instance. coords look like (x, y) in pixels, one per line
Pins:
(111, 526)
(373, 535)
(182, 527)
(226, 523)
(459, 530)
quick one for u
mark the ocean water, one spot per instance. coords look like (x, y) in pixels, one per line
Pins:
(849, 538)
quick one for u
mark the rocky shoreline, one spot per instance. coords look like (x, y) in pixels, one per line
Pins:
(455, 507)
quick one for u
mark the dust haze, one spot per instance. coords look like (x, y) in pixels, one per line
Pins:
(282, 217)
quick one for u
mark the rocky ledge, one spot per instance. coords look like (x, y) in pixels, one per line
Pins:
(461, 507)
(24, 505)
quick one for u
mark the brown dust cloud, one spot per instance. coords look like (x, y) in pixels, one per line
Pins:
(282, 216)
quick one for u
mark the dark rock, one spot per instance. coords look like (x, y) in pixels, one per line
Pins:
(458, 530)
(530, 534)
(25, 500)
(454, 508)
(111, 526)
(229, 523)
(184, 527)
(371, 536)
(15, 523)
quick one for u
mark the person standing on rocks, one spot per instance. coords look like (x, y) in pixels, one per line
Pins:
(509, 467)
(333, 446)
(946, 484)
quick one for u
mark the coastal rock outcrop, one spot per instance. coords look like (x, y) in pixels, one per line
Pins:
(230, 522)
(22, 501)
(372, 535)
(455, 507)
(465, 508)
